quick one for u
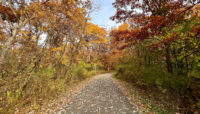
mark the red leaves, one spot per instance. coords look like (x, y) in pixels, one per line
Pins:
(150, 17)
(7, 14)
(197, 31)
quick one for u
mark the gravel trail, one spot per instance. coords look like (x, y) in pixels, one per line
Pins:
(100, 96)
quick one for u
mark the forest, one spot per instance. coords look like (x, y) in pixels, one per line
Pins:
(47, 46)
(160, 40)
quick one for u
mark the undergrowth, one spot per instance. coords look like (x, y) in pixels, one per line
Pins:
(42, 86)
(171, 92)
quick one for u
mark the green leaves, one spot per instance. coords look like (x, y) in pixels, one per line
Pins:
(14, 97)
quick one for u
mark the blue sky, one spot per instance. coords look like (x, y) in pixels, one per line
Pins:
(102, 16)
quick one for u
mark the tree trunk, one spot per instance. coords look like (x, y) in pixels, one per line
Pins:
(8, 43)
(168, 59)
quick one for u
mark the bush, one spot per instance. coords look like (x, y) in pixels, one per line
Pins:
(80, 72)
(83, 70)
(158, 79)
(126, 72)
(153, 77)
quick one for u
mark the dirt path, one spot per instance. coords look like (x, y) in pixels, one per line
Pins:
(100, 96)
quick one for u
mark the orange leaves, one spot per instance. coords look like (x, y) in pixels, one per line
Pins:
(150, 21)
(7, 14)
(125, 37)
(196, 10)
(154, 15)
(54, 49)
(197, 31)
(96, 34)
(94, 29)
(123, 27)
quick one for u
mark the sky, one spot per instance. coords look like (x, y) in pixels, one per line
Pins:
(102, 16)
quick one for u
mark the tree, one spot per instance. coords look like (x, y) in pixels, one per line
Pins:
(150, 17)
(162, 38)
(40, 39)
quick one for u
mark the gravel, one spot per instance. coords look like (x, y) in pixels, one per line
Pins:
(100, 96)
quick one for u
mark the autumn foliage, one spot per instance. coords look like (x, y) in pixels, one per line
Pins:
(161, 41)
(45, 46)
(48, 45)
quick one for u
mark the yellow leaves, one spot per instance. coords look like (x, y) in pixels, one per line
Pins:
(95, 29)
(181, 9)
(15, 51)
(65, 60)
(54, 49)
(73, 2)
(105, 40)
(41, 14)
(195, 44)
(100, 40)
(97, 34)
(83, 42)
(82, 9)
(164, 90)
(68, 13)
(124, 26)
(43, 28)
(23, 32)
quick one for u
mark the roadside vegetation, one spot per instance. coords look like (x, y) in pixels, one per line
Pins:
(161, 48)
(46, 46)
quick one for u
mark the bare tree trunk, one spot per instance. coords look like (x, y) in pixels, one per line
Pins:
(8, 44)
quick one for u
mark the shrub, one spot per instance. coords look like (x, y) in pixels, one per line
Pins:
(80, 72)
(83, 70)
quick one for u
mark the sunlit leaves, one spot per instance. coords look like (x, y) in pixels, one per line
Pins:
(96, 34)
(42, 38)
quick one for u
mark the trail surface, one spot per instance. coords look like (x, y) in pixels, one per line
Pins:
(100, 96)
